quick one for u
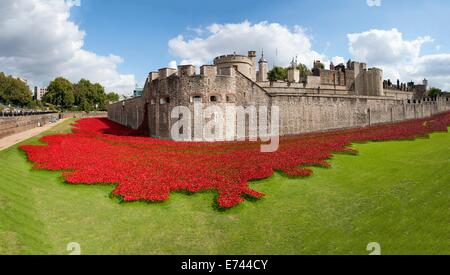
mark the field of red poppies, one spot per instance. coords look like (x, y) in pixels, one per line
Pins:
(100, 151)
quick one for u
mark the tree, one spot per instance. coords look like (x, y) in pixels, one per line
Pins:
(60, 93)
(99, 97)
(35, 104)
(89, 97)
(18, 93)
(81, 93)
(14, 91)
(278, 73)
(434, 92)
(304, 71)
(112, 97)
(86, 107)
(3, 85)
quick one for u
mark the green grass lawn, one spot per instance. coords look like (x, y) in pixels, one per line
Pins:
(393, 193)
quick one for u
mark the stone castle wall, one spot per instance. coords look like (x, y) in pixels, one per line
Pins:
(311, 113)
(130, 113)
(302, 110)
(13, 125)
(342, 97)
(79, 115)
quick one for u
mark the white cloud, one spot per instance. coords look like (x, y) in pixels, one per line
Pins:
(400, 58)
(338, 60)
(197, 30)
(435, 67)
(39, 42)
(373, 3)
(73, 3)
(385, 46)
(219, 39)
(172, 64)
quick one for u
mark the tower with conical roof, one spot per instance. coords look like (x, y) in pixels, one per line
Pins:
(263, 69)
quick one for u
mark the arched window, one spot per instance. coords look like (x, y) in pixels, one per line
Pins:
(214, 98)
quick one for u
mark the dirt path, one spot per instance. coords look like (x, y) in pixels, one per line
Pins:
(9, 141)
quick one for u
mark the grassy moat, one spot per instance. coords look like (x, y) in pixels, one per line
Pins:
(394, 193)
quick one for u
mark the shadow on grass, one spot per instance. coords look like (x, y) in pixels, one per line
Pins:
(214, 205)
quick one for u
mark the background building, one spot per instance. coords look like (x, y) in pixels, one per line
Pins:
(137, 91)
(39, 93)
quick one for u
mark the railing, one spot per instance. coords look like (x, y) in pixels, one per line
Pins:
(25, 113)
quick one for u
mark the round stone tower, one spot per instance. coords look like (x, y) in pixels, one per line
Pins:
(374, 80)
(244, 64)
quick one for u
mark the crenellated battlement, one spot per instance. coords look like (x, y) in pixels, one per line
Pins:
(183, 71)
(166, 72)
(186, 70)
(233, 58)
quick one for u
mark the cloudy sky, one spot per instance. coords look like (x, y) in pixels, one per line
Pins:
(118, 42)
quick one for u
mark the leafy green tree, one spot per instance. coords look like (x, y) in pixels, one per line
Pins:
(35, 105)
(434, 92)
(112, 97)
(18, 92)
(99, 97)
(3, 85)
(321, 65)
(14, 91)
(60, 93)
(81, 93)
(304, 71)
(89, 97)
(278, 73)
(86, 107)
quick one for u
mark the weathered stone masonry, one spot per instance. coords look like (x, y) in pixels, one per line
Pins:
(342, 97)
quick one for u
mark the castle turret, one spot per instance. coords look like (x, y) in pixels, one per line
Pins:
(186, 70)
(331, 66)
(244, 64)
(374, 78)
(425, 83)
(263, 69)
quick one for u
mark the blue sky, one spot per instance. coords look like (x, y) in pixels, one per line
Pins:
(139, 30)
(118, 42)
